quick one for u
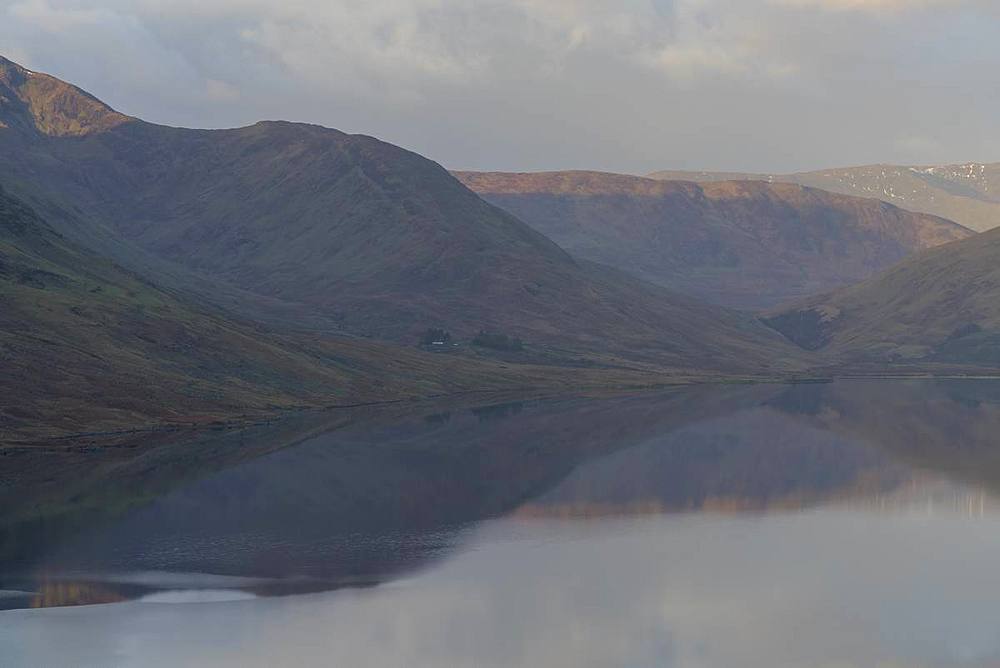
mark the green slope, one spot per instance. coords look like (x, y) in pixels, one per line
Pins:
(87, 346)
(940, 307)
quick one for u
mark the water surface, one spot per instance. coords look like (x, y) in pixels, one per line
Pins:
(843, 524)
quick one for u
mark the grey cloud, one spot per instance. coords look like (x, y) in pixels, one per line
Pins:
(542, 84)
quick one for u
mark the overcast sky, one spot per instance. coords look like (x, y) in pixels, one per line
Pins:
(622, 85)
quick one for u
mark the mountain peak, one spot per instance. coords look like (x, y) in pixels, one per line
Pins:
(39, 103)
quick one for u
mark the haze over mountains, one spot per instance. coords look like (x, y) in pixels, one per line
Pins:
(968, 194)
(741, 244)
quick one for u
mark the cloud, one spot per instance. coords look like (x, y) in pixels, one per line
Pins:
(220, 90)
(632, 85)
(43, 15)
(875, 6)
(917, 145)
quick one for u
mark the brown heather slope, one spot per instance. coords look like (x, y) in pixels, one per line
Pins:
(345, 231)
(969, 194)
(740, 244)
(940, 307)
(36, 102)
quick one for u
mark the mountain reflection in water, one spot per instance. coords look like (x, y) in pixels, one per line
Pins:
(291, 508)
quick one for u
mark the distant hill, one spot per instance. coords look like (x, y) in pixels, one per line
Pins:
(968, 194)
(942, 306)
(345, 230)
(746, 244)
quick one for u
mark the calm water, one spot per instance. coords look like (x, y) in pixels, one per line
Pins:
(842, 524)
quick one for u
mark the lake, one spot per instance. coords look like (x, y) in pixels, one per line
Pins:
(851, 523)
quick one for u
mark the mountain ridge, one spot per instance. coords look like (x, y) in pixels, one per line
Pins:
(50, 106)
(740, 244)
(967, 193)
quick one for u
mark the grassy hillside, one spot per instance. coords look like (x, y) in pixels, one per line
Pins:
(942, 307)
(87, 346)
(969, 194)
(747, 245)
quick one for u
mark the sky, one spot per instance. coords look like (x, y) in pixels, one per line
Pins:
(630, 86)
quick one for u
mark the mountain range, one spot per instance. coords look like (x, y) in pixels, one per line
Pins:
(298, 224)
(155, 276)
(968, 194)
(164, 275)
(741, 244)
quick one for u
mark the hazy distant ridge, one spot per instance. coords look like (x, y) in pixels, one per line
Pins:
(741, 244)
(968, 193)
